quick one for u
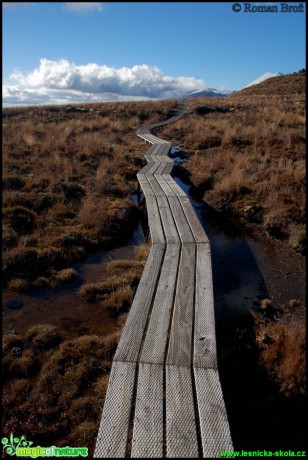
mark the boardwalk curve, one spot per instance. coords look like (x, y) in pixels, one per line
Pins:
(164, 396)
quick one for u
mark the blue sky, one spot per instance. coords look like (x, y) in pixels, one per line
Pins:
(57, 52)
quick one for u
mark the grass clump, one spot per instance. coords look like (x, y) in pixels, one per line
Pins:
(43, 336)
(282, 345)
(87, 163)
(250, 147)
(65, 394)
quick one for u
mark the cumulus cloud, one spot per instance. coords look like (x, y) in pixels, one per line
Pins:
(92, 82)
(84, 7)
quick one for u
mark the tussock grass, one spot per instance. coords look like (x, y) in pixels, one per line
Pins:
(282, 344)
(54, 386)
(87, 172)
(67, 389)
(246, 154)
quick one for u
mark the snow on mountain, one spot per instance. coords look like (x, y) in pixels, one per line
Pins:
(207, 92)
(264, 77)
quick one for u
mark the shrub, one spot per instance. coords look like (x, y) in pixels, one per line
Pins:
(15, 182)
(65, 275)
(21, 219)
(43, 336)
(282, 352)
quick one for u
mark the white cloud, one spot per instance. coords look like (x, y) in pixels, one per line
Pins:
(84, 7)
(93, 82)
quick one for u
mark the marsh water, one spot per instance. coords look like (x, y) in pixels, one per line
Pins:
(245, 271)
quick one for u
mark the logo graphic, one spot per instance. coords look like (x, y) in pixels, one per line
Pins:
(12, 444)
(21, 448)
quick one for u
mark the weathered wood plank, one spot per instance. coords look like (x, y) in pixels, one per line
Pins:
(146, 188)
(177, 189)
(155, 186)
(162, 149)
(180, 220)
(155, 224)
(181, 433)
(215, 431)
(156, 337)
(181, 340)
(170, 230)
(113, 430)
(148, 423)
(204, 335)
(145, 169)
(168, 169)
(160, 169)
(167, 159)
(166, 188)
(131, 337)
(162, 202)
(152, 169)
(151, 149)
(194, 222)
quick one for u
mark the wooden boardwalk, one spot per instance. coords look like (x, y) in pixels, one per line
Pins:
(164, 396)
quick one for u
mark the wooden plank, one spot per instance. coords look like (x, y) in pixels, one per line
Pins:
(159, 149)
(181, 339)
(142, 179)
(180, 220)
(159, 170)
(167, 159)
(148, 423)
(215, 431)
(145, 169)
(111, 440)
(166, 188)
(158, 191)
(156, 337)
(155, 225)
(144, 137)
(152, 169)
(131, 337)
(194, 222)
(146, 188)
(177, 189)
(156, 159)
(148, 158)
(151, 150)
(162, 202)
(181, 433)
(170, 230)
(204, 334)
(156, 149)
(167, 148)
(168, 169)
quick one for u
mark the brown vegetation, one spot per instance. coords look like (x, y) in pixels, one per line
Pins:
(246, 155)
(67, 181)
(282, 345)
(54, 386)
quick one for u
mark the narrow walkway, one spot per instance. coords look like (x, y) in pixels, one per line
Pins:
(164, 397)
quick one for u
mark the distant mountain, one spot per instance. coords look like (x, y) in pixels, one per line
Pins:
(264, 77)
(207, 92)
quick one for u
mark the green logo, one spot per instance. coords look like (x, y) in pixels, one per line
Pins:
(21, 448)
(10, 445)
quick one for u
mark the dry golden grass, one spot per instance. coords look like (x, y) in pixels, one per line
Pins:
(116, 290)
(246, 156)
(282, 345)
(67, 181)
(54, 387)
(53, 390)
